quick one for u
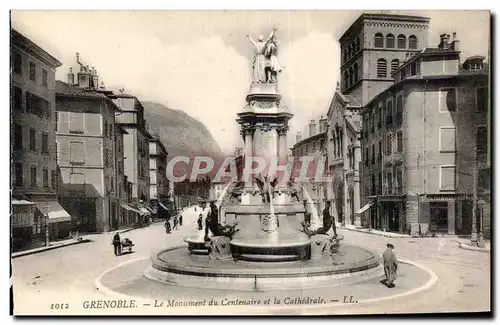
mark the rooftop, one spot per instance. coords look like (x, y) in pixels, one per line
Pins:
(29, 46)
(428, 52)
(65, 89)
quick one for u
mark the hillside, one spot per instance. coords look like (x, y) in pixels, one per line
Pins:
(181, 134)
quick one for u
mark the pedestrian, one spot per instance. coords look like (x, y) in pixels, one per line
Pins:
(390, 266)
(180, 219)
(175, 223)
(200, 222)
(117, 244)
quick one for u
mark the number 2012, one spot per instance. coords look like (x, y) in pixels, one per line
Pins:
(59, 306)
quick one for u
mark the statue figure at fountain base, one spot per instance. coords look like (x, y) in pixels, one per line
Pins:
(219, 249)
(212, 224)
(294, 193)
(325, 246)
(266, 187)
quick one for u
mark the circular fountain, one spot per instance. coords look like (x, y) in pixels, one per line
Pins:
(263, 239)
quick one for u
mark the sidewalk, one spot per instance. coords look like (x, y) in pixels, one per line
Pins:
(373, 231)
(52, 245)
(467, 245)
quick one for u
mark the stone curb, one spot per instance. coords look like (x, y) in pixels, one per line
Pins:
(377, 233)
(472, 248)
(44, 249)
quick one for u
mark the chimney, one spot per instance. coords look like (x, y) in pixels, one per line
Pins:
(455, 43)
(312, 128)
(71, 77)
(298, 137)
(322, 124)
(95, 78)
(445, 42)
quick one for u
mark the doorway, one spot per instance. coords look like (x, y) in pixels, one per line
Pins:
(439, 216)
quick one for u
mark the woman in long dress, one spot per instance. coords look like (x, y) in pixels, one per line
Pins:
(271, 54)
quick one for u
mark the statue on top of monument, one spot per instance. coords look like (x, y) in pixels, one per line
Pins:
(265, 63)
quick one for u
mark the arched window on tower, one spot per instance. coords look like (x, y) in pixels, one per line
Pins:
(346, 79)
(356, 72)
(401, 41)
(394, 65)
(356, 45)
(351, 76)
(381, 68)
(379, 40)
(390, 41)
(346, 54)
(413, 42)
(351, 51)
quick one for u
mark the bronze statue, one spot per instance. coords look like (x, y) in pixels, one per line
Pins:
(266, 187)
(328, 222)
(212, 224)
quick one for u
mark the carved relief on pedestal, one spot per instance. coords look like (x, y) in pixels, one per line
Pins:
(269, 223)
(262, 104)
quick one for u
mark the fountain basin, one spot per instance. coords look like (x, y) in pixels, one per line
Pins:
(196, 245)
(176, 266)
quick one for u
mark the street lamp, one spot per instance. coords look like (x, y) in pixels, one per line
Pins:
(481, 204)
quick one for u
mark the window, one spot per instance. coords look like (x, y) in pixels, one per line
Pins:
(447, 178)
(356, 45)
(379, 40)
(18, 136)
(105, 129)
(45, 74)
(481, 139)
(399, 108)
(394, 65)
(32, 71)
(413, 69)
(19, 174)
(399, 137)
(380, 150)
(346, 79)
(389, 183)
(32, 139)
(389, 41)
(373, 154)
(388, 118)
(381, 68)
(447, 139)
(106, 157)
(346, 55)
(18, 99)
(45, 143)
(448, 100)
(76, 122)
(45, 177)
(399, 180)
(110, 131)
(37, 105)
(314, 146)
(374, 184)
(401, 41)
(351, 76)
(76, 152)
(356, 72)
(33, 176)
(18, 63)
(412, 42)
(484, 180)
(381, 114)
(366, 156)
(482, 99)
(351, 50)
(388, 150)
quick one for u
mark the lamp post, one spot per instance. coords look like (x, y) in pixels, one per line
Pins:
(480, 241)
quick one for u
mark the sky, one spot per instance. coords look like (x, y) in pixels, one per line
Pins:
(200, 61)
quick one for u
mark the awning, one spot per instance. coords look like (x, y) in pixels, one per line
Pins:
(54, 210)
(22, 202)
(129, 208)
(365, 207)
(163, 206)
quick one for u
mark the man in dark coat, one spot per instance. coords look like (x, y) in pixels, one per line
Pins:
(117, 244)
(175, 222)
(390, 266)
(180, 219)
(168, 228)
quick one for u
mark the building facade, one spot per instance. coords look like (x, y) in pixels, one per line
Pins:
(315, 146)
(33, 146)
(159, 184)
(87, 152)
(344, 157)
(422, 139)
(136, 145)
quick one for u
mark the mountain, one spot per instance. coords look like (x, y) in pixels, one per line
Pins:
(181, 134)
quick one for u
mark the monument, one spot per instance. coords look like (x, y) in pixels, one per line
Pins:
(264, 239)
